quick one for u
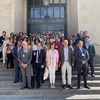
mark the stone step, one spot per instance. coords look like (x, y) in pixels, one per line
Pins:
(95, 69)
(97, 65)
(48, 91)
(58, 78)
(51, 97)
(4, 71)
(74, 83)
(46, 84)
(96, 72)
(97, 77)
(10, 84)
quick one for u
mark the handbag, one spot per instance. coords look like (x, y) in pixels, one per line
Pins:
(46, 73)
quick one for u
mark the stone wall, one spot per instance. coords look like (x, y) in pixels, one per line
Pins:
(89, 19)
(6, 15)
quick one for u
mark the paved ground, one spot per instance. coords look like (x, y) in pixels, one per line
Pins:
(50, 97)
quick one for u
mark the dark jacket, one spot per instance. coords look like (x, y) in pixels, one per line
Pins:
(15, 55)
(1, 40)
(91, 51)
(79, 57)
(42, 57)
(70, 55)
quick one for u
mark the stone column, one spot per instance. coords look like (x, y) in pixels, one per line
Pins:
(72, 16)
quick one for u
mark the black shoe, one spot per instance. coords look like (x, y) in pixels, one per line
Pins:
(70, 87)
(23, 87)
(87, 87)
(16, 81)
(92, 75)
(64, 86)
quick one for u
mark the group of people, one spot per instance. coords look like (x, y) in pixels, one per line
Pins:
(31, 54)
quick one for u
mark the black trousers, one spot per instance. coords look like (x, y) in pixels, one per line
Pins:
(1, 54)
(91, 64)
(10, 60)
(17, 72)
(84, 70)
(39, 73)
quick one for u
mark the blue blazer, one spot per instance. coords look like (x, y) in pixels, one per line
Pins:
(15, 55)
(42, 57)
(79, 57)
(91, 51)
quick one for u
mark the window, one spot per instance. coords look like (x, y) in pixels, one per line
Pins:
(50, 12)
(63, 1)
(62, 12)
(51, 1)
(43, 12)
(56, 1)
(56, 12)
(36, 12)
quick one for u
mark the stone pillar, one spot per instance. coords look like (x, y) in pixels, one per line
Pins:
(19, 15)
(13, 16)
(72, 16)
(6, 16)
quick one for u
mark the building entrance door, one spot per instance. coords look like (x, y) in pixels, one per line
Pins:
(46, 18)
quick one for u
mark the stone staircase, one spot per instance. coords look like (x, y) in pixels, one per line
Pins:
(11, 91)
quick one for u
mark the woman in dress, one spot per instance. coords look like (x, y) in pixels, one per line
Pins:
(4, 49)
(10, 47)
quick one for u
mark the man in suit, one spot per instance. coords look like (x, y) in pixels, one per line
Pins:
(24, 58)
(91, 50)
(16, 62)
(65, 58)
(40, 60)
(81, 59)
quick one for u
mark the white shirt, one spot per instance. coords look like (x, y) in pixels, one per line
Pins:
(87, 45)
(34, 47)
(65, 54)
(5, 43)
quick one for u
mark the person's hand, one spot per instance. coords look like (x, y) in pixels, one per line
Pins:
(24, 65)
(83, 62)
(72, 64)
(42, 66)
